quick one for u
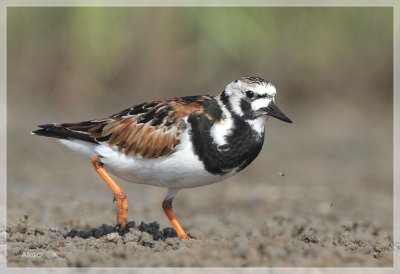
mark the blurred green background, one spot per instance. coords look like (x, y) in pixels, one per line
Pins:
(92, 54)
(333, 69)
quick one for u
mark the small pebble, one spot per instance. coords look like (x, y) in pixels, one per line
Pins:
(22, 224)
(113, 237)
(146, 239)
(50, 255)
(129, 237)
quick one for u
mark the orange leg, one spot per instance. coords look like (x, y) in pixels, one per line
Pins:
(167, 206)
(119, 193)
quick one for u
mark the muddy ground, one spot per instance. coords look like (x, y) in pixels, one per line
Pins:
(280, 241)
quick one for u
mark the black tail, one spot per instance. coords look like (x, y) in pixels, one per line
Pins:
(50, 130)
(60, 132)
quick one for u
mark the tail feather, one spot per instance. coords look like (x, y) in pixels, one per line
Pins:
(61, 132)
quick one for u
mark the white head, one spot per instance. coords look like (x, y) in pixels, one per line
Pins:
(252, 97)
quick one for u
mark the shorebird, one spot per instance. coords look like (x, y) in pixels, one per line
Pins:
(175, 143)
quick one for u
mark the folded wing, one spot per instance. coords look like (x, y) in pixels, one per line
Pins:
(148, 130)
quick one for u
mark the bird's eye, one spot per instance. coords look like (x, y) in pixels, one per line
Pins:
(249, 94)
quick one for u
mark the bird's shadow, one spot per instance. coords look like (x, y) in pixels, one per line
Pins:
(152, 228)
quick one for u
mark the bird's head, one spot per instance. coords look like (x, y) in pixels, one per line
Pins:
(252, 97)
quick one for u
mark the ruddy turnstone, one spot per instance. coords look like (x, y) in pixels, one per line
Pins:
(175, 143)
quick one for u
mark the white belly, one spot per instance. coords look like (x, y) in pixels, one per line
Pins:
(182, 169)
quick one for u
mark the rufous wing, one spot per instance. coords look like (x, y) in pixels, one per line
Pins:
(141, 139)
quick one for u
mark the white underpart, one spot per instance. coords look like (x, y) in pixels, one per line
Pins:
(84, 148)
(182, 169)
(258, 124)
(222, 128)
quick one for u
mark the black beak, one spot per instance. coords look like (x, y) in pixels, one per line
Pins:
(274, 111)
